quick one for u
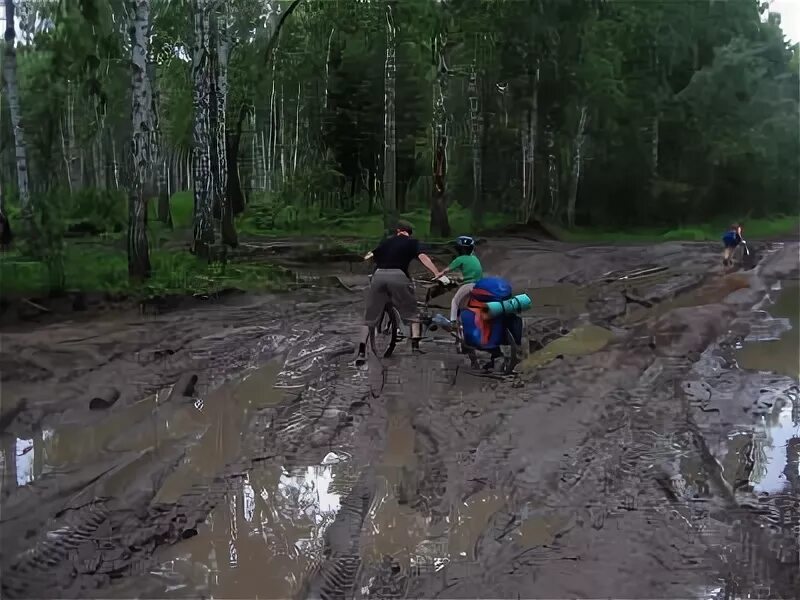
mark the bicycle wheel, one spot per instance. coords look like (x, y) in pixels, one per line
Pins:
(514, 353)
(383, 336)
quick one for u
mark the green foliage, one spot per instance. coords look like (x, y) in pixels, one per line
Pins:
(104, 210)
(97, 267)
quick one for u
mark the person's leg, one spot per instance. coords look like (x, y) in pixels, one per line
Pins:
(726, 256)
(401, 291)
(377, 297)
(458, 300)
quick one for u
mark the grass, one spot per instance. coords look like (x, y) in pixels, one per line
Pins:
(100, 264)
(99, 267)
(753, 229)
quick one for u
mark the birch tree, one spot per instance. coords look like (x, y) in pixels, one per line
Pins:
(439, 223)
(143, 131)
(15, 110)
(201, 132)
(389, 124)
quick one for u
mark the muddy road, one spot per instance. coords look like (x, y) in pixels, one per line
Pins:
(648, 446)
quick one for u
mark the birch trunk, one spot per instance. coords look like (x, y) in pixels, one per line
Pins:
(141, 142)
(439, 223)
(654, 141)
(577, 164)
(389, 124)
(203, 183)
(15, 110)
(68, 143)
(475, 138)
(282, 131)
(222, 54)
(529, 153)
(296, 130)
(552, 169)
(328, 68)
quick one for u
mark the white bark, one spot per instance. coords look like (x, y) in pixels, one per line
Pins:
(141, 141)
(390, 143)
(530, 136)
(577, 163)
(15, 110)
(328, 66)
(475, 134)
(203, 183)
(552, 168)
(282, 131)
(296, 129)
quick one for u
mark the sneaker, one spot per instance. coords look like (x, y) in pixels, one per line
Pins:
(361, 357)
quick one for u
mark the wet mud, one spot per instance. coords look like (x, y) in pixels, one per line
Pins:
(648, 446)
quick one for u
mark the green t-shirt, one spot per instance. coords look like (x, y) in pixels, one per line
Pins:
(469, 266)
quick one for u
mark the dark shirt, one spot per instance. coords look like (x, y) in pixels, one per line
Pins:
(396, 252)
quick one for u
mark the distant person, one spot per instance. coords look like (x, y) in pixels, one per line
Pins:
(391, 282)
(471, 271)
(731, 239)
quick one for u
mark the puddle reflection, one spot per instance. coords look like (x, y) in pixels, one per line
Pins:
(769, 474)
(263, 540)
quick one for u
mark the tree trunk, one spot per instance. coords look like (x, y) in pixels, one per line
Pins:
(221, 55)
(296, 130)
(389, 124)
(141, 142)
(15, 110)
(282, 130)
(233, 190)
(529, 152)
(328, 68)
(440, 225)
(577, 164)
(654, 141)
(203, 183)
(68, 145)
(476, 127)
(552, 170)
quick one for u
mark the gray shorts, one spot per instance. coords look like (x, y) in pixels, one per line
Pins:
(390, 285)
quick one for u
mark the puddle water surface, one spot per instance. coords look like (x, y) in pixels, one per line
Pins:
(224, 415)
(585, 339)
(780, 355)
(266, 537)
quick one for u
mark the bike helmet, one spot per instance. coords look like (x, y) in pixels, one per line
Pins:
(465, 244)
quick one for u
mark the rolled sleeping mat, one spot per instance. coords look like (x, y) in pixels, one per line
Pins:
(512, 306)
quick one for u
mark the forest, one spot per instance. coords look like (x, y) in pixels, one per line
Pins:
(140, 141)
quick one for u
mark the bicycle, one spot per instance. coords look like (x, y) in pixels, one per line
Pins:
(742, 257)
(387, 329)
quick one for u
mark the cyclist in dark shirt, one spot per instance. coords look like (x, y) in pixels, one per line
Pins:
(392, 282)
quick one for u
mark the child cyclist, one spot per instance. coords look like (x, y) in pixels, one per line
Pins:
(471, 271)
(731, 239)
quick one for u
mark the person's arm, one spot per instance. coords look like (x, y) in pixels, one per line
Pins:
(453, 266)
(428, 264)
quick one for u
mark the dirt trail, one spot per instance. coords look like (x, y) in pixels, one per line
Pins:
(628, 457)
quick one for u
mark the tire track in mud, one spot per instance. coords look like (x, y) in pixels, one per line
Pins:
(650, 431)
(114, 538)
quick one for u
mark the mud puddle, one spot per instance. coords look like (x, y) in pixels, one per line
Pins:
(223, 415)
(263, 540)
(583, 340)
(711, 292)
(776, 347)
(564, 300)
(773, 464)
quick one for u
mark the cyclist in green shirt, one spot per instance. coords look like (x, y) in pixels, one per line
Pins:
(471, 271)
